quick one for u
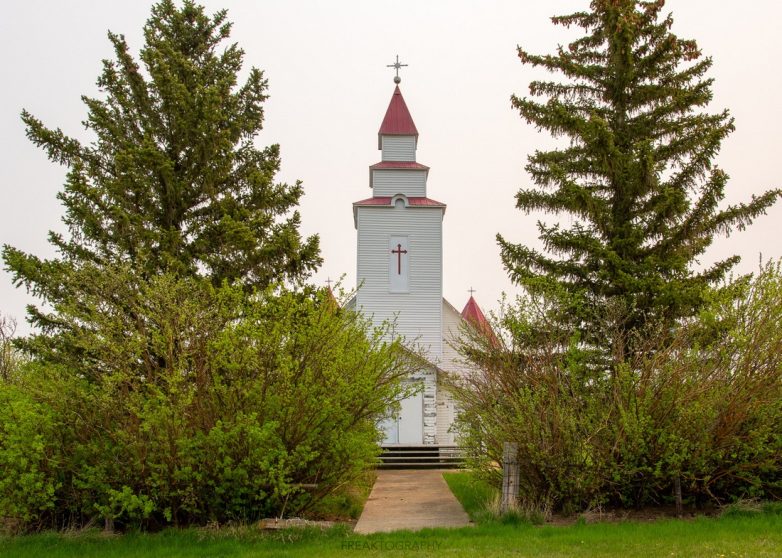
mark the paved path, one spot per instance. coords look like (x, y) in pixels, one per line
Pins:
(410, 500)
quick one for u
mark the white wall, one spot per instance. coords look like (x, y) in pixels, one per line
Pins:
(398, 148)
(445, 416)
(452, 321)
(418, 313)
(411, 183)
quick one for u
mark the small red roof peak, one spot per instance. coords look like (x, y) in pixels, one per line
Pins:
(473, 315)
(397, 121)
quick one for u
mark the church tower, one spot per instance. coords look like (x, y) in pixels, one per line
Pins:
(400, 237)
(400, 261)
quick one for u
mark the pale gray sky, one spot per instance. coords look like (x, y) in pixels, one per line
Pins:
(325, 61)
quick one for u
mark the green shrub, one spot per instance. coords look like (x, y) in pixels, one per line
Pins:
(702, 404)
(29, 476)
(199, 404)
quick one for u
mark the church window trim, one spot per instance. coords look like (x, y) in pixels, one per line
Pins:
(399, 264)
(399, 197)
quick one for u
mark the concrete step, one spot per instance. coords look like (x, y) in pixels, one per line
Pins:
(398, 456)
(430, 457)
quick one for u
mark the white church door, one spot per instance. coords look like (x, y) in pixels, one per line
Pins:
(411, 420)
(407, 427)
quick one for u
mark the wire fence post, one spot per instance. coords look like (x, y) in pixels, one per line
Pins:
(677, 490)
(510, 476)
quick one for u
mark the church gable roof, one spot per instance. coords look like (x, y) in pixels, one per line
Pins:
(397, 121)
(473, 315)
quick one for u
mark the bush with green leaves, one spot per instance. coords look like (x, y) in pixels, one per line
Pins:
(200, 404)
(701, 404)
(28, 461)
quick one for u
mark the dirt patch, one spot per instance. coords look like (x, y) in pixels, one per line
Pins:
(345, 504)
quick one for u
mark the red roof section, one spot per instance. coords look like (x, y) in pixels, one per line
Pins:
(331, 301)
(383, 165)
(397, 121)
(473, 315)
(413, 201)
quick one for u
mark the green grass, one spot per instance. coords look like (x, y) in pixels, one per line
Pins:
(746, 532)
(347, 503)
(750, 536)
(481, 501)
(473, 493)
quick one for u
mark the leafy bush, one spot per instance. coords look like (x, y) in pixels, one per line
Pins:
(201, 404)
(10, 358)
(29, 470)
(701, 404)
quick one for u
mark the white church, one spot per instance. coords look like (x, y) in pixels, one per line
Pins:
(400, 276)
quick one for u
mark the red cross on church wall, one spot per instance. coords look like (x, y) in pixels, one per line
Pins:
(399, 253)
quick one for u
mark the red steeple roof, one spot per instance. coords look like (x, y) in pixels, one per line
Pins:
(397, 121)
(331, 301)
(473, 315)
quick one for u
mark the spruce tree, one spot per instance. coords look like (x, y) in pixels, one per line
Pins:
(635, 178)
(172, 181)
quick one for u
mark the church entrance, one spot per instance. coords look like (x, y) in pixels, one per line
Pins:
(407, 427)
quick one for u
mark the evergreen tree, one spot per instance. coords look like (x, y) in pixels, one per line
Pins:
(172, 182)
(636, 177)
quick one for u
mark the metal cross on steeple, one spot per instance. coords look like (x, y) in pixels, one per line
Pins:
(396, 65)
(471, 291)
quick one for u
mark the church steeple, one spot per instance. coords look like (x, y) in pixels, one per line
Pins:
(398, 121)
(398, 172)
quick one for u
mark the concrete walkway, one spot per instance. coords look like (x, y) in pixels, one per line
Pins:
(410, 500)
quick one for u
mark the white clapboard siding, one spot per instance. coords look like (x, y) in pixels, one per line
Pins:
(418, 313)
(411, 183)
(452, 321)
(445, 416)
(398, 148)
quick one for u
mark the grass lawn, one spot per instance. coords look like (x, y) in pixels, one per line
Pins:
(747, 534)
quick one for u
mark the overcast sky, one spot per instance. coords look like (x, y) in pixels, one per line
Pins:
(329, 86)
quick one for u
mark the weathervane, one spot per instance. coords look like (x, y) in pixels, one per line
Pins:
(396, 65)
